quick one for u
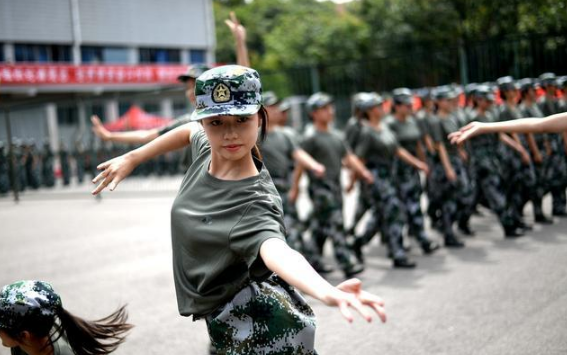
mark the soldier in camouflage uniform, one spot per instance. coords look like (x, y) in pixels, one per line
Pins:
(330, 150)
(65, 164)
(487, 165)
(4, 171)
(452, 184)
(32, 317)
(537, 145)
(409, 136)
(47, 173)
(228, 234)
(378, 148)
(516, 161)
(556, 164)
(352, 133)
(280, 152)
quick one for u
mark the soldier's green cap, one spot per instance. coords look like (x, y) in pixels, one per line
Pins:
(285, 105)
(470, 88)
(506, 83)
(484, 92)
(270, 98)
(317, 101)
(444, 92)
(369, 100)
(24, 302)
(562, 82)
(193, 72)
(548, 79)
(527, 83)
(402, 96)
(230, 90)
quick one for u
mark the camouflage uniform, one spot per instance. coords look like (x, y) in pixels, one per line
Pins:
(4, 172)
(377, 149)
(556, 165)
(264, 315)
(489, 174)
(408, 179)
(47, 173)
(268, 318)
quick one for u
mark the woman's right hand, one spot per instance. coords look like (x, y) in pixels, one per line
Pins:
(114, 171)
(349, 294)
(467, 132)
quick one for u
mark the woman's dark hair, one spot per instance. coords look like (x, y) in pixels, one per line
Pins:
(98, 337)
(263, 115)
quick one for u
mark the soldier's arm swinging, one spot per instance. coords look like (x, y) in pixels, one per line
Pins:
(551, 124)
(117, 169)
(536, 154)
(131, 137)
(352, 162)
(444, 156)
(306, 160)
(411, 160)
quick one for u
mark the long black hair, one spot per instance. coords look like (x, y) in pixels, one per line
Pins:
(85, 337)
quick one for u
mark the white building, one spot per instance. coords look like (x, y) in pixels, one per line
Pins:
(63, 60)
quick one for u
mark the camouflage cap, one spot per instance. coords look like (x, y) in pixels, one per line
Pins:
(506, 83)
(318, 100)
(270, 98)
(484, 92)
(25, 300)
(402, 96)
(231, 90)
(527, 83)
(193, 72)
(285, 105)
(369, 100)
(470, 89)
(562, 82)
(444, 92)
(547, 79)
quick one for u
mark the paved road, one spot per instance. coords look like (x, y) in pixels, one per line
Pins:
(494, 297)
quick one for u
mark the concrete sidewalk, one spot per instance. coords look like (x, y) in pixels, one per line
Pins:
(496, 296)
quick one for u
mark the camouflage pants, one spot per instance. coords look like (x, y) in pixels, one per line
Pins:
(487, 169)
(327, 220)
(410, 190)
(556, 175)
(388, 215)
(268, 318)
(520, 178)
(363, 205)
(455, 199)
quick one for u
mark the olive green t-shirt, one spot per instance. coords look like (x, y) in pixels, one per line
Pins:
(60, 347)
(277, 153)
(217, 228)
(441, 128)
(328, 149)
(353, 128)
(377, 147)
(407, 132)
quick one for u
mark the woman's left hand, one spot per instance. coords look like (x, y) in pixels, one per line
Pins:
(350, 294)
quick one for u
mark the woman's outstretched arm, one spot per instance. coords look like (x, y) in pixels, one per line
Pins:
(553, 124)
(117, 169)
(295, 270)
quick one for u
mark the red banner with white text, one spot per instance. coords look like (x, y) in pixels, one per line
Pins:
(49, 74)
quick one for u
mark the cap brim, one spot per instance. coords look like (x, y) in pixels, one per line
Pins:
(225, 110)
(183, 78)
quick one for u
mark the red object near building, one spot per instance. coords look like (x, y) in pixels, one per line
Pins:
(136, 119)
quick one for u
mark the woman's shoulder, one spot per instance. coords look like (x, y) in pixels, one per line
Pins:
(199, 142)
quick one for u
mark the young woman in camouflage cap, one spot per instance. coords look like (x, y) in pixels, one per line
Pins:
(33, 321)
(228, 235)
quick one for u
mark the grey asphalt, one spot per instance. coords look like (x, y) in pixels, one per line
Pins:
(495, 296)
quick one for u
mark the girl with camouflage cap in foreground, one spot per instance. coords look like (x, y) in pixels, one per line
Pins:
(33, 321)
(228, 234)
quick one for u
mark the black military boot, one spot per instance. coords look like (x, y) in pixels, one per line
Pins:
(542, 219)
(465, 229)
(353, 269)
(453, 242)
(403, 263)
(513, 232)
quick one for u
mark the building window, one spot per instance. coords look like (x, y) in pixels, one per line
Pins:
(152, 108)
(67, 115)
(96, 109)
(197, 56)
(123, 107)
(97, 54)
(42, 53)
(180, 107)
(159, 55)
(2, 52)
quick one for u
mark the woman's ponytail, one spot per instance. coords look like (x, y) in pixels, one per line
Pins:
(94, 337)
